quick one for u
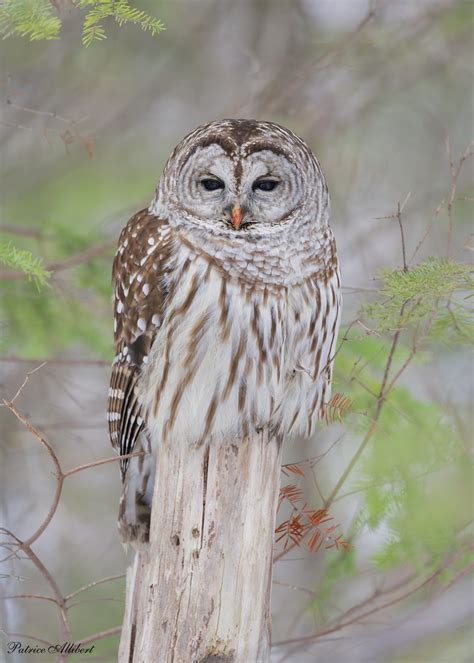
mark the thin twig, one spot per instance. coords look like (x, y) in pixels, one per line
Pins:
(455, 170)
(101, 635)
(59, 474)
(358, 618)
(404, 255)
(95, 600)
(398, 215)
(421, 242)
(112, 459)
(373, 425)
(29, 596)
(22, 231)
(27, 636)
(57, 467)
(61, 603)
(94, 584)
(34, 111)
(24, 383)
(53, 360)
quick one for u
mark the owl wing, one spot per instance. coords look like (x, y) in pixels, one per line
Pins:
(139, 279)
(314, 324)
(325, 348)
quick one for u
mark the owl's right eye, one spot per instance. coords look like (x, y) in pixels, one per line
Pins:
(212, 184)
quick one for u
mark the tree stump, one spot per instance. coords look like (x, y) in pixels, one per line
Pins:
(201, 591)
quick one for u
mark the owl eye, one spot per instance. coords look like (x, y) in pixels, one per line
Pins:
(265, 185)
(212, 184)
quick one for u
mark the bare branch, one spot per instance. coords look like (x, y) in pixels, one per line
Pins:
(94, 584)
(24, 383)
(47, 114)
(341, 624)
(101, 635)
(29, 596)
(112, 459)
(373, 426)
(398, 215)
(455, 170)
(22, 231)
(58, 472)
(54, 360)
(27, 636)
(64, 626)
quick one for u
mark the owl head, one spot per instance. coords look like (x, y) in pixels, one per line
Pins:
(241, 179)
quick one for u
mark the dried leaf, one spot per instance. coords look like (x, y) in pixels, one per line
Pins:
(293, 468)
(315, 541)
(318, 516)
(335, 408)
(292, 493)
(291, 530)
(89, 145)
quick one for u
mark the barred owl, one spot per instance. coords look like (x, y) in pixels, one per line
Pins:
(227, 302)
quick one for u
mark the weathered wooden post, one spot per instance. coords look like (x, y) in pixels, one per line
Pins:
(201, 592)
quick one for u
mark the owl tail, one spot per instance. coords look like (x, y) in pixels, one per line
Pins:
(135, 503)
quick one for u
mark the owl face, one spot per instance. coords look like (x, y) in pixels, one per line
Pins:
(241, 192)
(240, 179)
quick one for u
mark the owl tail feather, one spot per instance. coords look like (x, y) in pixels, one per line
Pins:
(134, 530)
(135, 503)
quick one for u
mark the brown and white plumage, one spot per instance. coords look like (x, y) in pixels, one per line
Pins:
(227, 302)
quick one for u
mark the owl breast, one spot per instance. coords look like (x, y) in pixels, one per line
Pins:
(217, 363)
(231, 358)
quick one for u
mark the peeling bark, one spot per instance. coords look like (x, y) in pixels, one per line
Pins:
(201, 592)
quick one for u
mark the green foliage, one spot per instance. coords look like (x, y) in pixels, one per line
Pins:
(37, 19)
(418, 295)
(414, 482)
(121, 11)
(414, 477)
(83, 207)
(59, 321)
(24, 260)
(73, 312)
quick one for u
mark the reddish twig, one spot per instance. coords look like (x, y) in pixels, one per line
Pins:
(25, 382)
(398, 215)
(101, 635)
(383, 393)
(103, 461)
(59, 598)
(58, 473)
(53, 360)
(341, 624)
(26, 636)
(94, 584)
(455, 170)
(29, 596)
(21, 231)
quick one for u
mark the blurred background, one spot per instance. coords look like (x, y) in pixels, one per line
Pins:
(382, 92)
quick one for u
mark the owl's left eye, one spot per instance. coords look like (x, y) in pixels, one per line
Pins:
(212, 184)
(265, 185)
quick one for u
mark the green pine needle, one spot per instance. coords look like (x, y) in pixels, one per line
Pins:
(34, 19)
(121, 11)
(409, 298)
(24, 261)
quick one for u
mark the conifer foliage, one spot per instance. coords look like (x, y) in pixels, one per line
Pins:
(41, 19)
